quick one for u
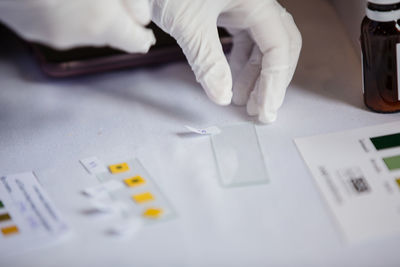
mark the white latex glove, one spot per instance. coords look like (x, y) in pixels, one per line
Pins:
(69, 23)
(266, 48)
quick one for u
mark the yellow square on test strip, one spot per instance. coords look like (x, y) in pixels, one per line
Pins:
(142, 198)
(10, 230)
(398, 182)
(153, 213)
(118, 168)
(135, 181)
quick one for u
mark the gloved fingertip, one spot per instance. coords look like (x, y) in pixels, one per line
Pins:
(252, 106)
(240, 94)
(267, 117)
(217, 83)
(148, 40)
(219, 95)
(239, 100)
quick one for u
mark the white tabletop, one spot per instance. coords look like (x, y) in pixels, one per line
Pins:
(47, 125)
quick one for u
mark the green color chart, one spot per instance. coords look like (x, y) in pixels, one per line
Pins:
(393, 163)
(387, 141)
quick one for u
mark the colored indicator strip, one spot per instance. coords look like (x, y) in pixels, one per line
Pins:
(5, 217)
(387, 141)
(393, 163)
(9, 230)
(1, 204)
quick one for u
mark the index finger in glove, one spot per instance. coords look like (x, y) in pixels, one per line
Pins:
(279, 42)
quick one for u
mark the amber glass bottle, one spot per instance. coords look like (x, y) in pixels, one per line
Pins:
(380, 43)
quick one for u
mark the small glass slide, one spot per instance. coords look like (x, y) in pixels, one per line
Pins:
(238, 156)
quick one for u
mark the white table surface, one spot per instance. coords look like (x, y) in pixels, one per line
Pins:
(47, 125)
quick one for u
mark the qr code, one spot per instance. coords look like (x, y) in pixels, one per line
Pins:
(360, 185)
(354, 179)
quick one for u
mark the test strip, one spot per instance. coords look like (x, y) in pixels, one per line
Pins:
(393, 163)
(1, 204)
(386, 141)
(5, 217)
(140, 193)
(10, 230)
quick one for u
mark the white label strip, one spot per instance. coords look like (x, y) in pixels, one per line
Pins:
(93, 165)
(127, 228)
(101, 189)
(213, 130)
(108, 206)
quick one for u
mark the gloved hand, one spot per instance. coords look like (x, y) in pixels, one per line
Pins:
(266, 48)
(64, 24)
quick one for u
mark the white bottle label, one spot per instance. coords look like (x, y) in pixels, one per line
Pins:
(398, 70)
(362, 72)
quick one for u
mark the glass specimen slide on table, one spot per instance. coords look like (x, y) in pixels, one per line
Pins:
(238, 156)
(358, 174)
(28, 218)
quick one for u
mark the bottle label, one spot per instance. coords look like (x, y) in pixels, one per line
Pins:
(362, 72)
(398, 70)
